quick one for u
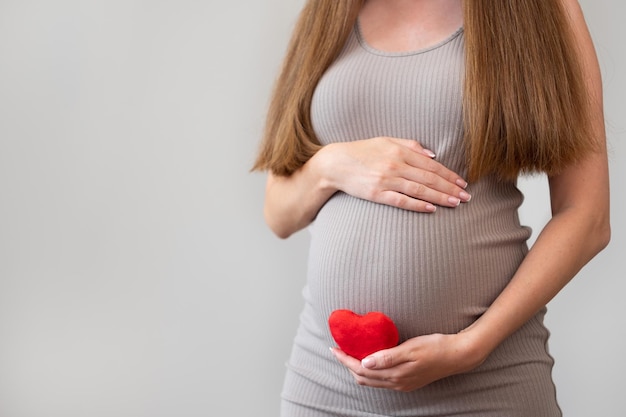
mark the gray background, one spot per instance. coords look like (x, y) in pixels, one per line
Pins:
(137, 277)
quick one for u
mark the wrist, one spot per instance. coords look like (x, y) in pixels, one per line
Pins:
(325, 169)
(475, 348)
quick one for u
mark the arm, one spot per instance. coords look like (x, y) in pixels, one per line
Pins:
(291, 203)
(396, 172)
(578, 230)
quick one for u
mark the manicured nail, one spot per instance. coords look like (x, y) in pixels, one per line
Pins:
(461, 183)
(465, 196)
(455, 201)
(431, 208)
(368, 363)
(429, 153)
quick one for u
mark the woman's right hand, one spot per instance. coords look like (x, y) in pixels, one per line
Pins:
(395, 172)
(391, 171)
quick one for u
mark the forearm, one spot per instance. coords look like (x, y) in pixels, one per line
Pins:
(578, 230)
(392, 171)
(291, 203)
(565, 245)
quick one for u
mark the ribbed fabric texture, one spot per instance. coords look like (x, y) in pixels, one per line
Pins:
(431, 273)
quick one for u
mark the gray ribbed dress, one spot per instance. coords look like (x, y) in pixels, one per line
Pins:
(431, 273)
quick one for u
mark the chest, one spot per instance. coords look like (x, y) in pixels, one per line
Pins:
(412, 95)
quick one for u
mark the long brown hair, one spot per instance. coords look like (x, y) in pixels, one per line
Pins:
(525, 102)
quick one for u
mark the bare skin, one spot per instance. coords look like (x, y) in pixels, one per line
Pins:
(391, 171)
(401, 173)
(396, 172)
(578, 230)
(409, 25)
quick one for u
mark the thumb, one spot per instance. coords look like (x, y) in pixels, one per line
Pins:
(382, 359)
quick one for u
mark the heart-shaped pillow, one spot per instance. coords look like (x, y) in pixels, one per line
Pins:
(361, 335)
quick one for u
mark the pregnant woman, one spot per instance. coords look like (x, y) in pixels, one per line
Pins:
(396, 133)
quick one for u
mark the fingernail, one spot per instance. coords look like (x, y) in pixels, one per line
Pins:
(431, 208)
(461, 183)
(454, 200)
(465, 196)
(429, 153)
(368, 363)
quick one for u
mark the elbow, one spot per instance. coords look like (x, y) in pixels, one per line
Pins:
(281, 233)
(601, 233)
(604, 228)
(604, 236)
(277, 227)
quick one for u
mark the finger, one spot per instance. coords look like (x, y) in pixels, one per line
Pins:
(398, 378)
(429, 187)
(403, 201)
(417, 196)
(413, 145)
(346, 359)
(426, 179)
(375, 378)
(421, 161)
(384, 359)
(361, 374)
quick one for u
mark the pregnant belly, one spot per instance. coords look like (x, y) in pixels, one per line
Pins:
(431, 273)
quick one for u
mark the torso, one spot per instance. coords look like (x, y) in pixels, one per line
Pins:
(419, 267)
(430, 272)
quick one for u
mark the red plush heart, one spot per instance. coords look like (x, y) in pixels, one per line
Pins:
(360, 336)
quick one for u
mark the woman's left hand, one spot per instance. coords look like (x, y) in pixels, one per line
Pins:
(414, 363)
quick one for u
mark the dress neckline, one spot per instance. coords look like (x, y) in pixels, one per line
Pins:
(359, 35)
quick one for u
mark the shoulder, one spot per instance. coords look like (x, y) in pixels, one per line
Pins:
(580, 31)
(575, 13)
